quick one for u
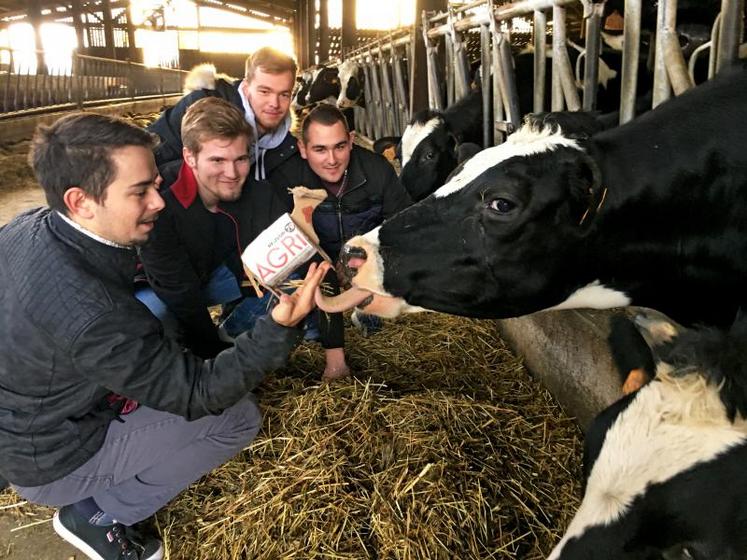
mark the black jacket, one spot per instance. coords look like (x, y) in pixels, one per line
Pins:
(168, 127)
(372, 194)
(73, 333)
(189, 242)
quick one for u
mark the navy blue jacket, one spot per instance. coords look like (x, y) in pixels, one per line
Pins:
(372, 194)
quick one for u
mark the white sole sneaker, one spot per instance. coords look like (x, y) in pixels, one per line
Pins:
(71, 538)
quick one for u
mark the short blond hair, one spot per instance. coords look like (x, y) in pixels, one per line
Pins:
(213, 117)
(270, 60)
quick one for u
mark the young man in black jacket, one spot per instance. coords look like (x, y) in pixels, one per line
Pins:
(101, 415)
(193, 257)
(363, 190)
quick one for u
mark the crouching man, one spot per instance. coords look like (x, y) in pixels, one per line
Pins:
(100, 414)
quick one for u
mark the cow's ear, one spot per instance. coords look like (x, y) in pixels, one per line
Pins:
(387, 146)
(466, 150)
(587, 189)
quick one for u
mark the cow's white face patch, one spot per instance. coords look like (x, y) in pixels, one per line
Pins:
(346, 70)
(605, 73)
(616, 42)
(673, 424)
(414, 135)
(526, 141)
(594, 296)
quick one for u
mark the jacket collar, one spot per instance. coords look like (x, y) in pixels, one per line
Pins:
(110, 261)
(185, 186)
(355, 170)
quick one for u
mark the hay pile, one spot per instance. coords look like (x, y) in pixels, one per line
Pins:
(14, 168)
(440, 447)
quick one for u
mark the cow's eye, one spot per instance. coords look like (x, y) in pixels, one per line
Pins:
(429, 155)
(502, 205)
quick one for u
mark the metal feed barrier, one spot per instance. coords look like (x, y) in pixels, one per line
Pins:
(481, 34)
(86, 81)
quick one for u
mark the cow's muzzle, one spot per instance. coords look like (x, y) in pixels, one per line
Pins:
(361, 270)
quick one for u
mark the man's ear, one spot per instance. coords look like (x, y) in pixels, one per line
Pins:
(352, 138)
(78, 203)
(302, 148)
(245, 88)
(189, 158)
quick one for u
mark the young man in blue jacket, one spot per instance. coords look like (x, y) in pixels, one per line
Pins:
(100, 414)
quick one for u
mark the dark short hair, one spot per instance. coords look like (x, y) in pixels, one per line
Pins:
(270, 60)
(325, 114)
(76, 151)
(213, 117)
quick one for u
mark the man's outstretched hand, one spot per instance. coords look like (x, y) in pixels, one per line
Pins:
(291, 309)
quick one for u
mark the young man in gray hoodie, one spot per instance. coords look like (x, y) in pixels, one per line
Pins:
(264, 96)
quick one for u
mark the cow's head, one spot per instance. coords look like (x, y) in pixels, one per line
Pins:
(502, 238)
(428, 154)
(351, 85)
(301, 90)
(325, 85)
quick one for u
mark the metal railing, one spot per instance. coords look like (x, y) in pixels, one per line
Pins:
(387, 61)
(88, 80)
(386, 65)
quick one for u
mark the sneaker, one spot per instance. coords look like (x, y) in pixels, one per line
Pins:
(110, 542)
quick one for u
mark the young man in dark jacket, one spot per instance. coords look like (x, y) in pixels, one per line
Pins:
(263, 96)
(101, 415)
(363, 190)
(193, 257)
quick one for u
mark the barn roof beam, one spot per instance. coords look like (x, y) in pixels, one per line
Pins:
(278, 12)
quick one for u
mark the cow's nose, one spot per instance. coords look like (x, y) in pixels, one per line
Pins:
(352, 258)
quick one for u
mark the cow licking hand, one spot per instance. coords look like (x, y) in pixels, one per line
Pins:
(652, 213)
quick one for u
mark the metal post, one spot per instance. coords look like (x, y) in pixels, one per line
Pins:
(666, 19)
(540, 60)
(499, 126)
(388, 101)
(434, 87)
(728, 37)
(368, 96)
(380, 123)
(400, 91)
(449, 70)
(564, 84)
(631, 54)
(591, 62)
(714, 47)
(461, 65)
(509, 83)
(78, 72)
(485, 83)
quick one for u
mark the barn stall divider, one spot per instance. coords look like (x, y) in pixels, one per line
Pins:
(475, 45)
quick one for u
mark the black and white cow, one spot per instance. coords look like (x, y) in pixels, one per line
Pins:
(664, 467)
(352, 81)
(652, 213)
(429, 145)
(316, 84)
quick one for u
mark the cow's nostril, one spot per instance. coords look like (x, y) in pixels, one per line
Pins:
(352, 258)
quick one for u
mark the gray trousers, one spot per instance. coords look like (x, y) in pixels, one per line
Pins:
(149, 458)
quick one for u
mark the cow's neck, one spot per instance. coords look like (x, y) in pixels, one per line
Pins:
(656, 234)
